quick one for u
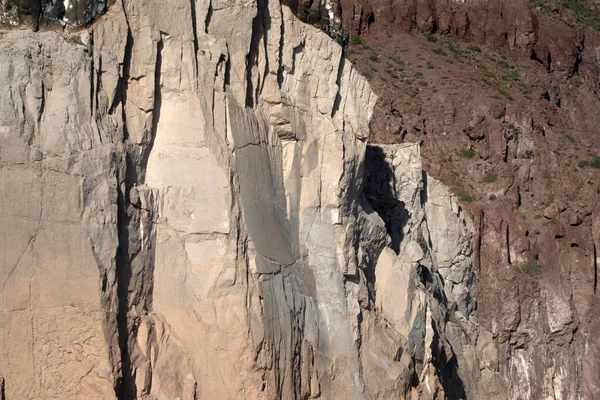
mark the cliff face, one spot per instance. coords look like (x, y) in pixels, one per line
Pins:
(184, 216)
(190, 209)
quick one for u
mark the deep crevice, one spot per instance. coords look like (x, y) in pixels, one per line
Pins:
(128, 216)
(338, 82)
(195, 36)
(208, 17)
(595, 269)
(508, 259)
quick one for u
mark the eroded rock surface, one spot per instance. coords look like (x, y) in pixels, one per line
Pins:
(184, 188)
(190, 210)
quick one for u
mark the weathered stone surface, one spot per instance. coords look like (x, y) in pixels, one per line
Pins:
(190, 210)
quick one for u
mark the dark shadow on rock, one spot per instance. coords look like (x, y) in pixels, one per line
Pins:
(379, 190)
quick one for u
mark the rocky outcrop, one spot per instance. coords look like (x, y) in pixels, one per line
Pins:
(498, 23)
(184, 187)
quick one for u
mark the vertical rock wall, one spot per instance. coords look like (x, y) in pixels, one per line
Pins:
(183, 216)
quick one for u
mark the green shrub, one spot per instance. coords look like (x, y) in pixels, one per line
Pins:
(475, 48)
(423, 83)
(492, 197)
(490, 177)
(429, 65)
(465, 196)
(505, 64)
(368, 75)
(511, 76)
(454, 49)
(440, 51)
(537, 216)
(582, 164)
(529, 268)
(431, 38)
(467, 153)
(374, 57)
(355, 40)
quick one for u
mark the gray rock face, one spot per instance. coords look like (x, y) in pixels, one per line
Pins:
(184, 216)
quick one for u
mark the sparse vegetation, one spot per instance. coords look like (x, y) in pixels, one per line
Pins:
(457, 51)
(374, 57)
(529, 268)
(537, 216)
(475, 48)
(465, 196)
(467, 153)
(440, 51)
(492, 197)
(431, 38)
(594, 162)
(355, 40)
(489, 177)
(585, 12)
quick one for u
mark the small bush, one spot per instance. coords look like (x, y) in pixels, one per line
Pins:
(398, 60)
(423, 83)
(582, 164)
(374, 57)
(474, 48)
(465, 196)
(431, 38)
(429, 65)
(572, 139)
(440, 51)
(521, 210)
(467, 153)
(368, 75)
(537, 216)
(529, 268)
(454, 49)
(490, 177)
(505, 64)
(511, 76)
(355, 40)
(492, 197)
